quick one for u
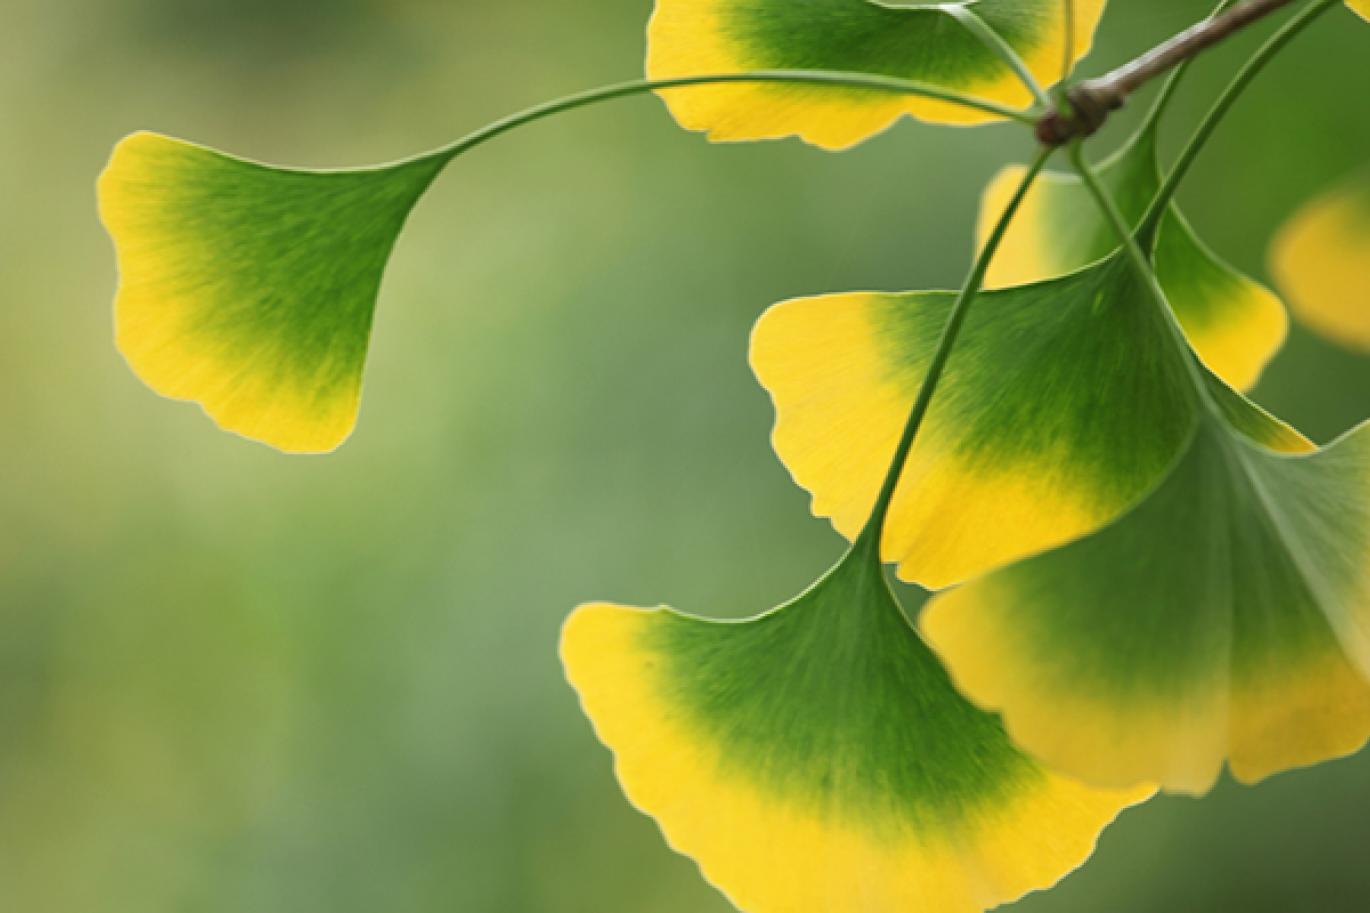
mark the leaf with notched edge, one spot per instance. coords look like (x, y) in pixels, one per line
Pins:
(1064, 402)
(816, 757)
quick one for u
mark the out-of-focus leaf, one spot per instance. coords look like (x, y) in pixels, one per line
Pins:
(1321, 260)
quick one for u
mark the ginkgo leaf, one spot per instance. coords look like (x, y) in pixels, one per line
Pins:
(1360, 7)
(1063, 402)
(1225, 617)
(689, 37)
(818, 758)
(1235, 324)
(1321, 260)
(250, 289)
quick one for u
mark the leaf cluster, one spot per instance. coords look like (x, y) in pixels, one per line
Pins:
(1141, 576)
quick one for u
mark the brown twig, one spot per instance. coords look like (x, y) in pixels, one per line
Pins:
(1090, 102)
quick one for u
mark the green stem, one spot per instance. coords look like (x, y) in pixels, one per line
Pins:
(1068, 48)
(870, 535)
(1151, 221)
(832, 79)
(1172, 83)
(1001, 48)
(1141, 264)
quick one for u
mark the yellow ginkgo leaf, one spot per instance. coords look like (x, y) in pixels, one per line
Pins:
(250, 289)
(919, 42)
(1063, 402)
(817, 758)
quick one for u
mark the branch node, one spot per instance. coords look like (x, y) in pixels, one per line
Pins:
(1088, 105)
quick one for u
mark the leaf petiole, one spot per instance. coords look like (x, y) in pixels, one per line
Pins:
(1137, 244)
(834, 79)
(1068, 41)
(1172, 83)
(1146, 229)
(1141, 264)
(870, 535)
(1001, 48)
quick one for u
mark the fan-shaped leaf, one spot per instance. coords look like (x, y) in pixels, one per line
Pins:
(1064, 401)
(250, 289)
(688, 37)
(1321, 259)
(818, 758)
(1227, 616)
(1235, 324)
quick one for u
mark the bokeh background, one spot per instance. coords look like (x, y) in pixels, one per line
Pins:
(237, 682)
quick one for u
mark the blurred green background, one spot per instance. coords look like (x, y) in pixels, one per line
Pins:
(236, 681)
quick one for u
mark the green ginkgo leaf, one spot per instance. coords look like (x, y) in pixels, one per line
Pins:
(1225, 617)
(1321, 260)
(1064, 402)
(1235, 324)
(251, 289)
(818, 758)
(926, 44)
